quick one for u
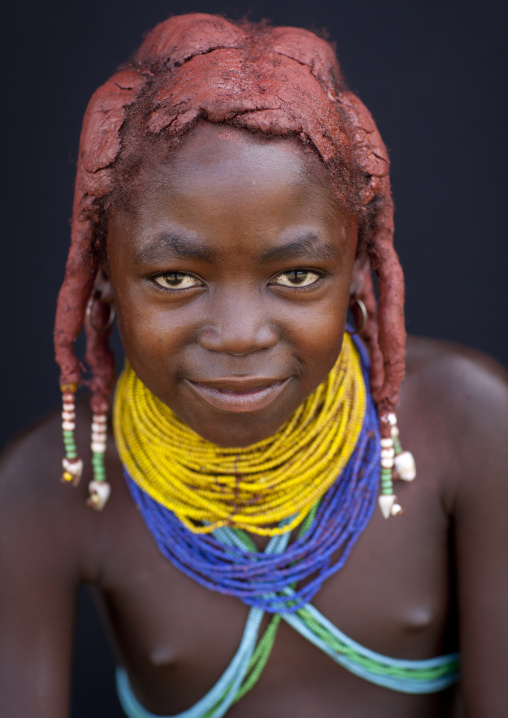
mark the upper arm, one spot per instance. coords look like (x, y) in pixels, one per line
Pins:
(38, 580)
(481, 538)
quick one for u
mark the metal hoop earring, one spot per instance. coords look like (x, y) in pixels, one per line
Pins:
(111, 318)
(363, 312)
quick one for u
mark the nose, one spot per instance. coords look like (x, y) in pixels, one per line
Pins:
(238, 325)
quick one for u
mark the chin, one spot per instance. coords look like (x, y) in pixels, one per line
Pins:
(238, 431)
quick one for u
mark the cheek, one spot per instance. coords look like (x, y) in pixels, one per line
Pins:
(316, 333)
(152, 338)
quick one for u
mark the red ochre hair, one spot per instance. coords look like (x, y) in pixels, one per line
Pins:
(274, 81)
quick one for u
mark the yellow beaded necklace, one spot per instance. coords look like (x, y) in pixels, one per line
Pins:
(253, 488)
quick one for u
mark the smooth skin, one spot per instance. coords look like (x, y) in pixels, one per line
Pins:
(231, 274)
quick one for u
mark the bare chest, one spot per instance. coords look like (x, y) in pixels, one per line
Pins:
(394, 596)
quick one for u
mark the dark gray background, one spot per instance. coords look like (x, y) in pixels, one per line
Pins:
(433, 75)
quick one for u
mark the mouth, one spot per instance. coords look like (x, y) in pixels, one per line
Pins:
(239, 395)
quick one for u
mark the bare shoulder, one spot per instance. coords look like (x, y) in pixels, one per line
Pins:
(458, 399)
(465, 384)
(31, 462)
(34, 506)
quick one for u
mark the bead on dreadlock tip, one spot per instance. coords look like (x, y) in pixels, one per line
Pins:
(99, 428)
(73, 466)
(392, 419)
(99, 494)
(68, 415)
(405, 466)
(387, 463)
(397, 510)
(67, 477)
(386, 503)
(68, 425)
(100, 418)
(386, 443)
(98, 447)
(395, 431)
(68, 406)
(387, 453)
(68, 388)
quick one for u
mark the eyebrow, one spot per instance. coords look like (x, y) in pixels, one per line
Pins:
(173, 244)
(309, 246)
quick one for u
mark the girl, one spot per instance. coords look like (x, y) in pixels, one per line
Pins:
(258, 540)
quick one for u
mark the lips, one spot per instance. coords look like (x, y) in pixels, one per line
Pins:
(239, 395)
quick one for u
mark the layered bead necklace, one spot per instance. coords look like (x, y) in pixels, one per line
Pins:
(278, 479)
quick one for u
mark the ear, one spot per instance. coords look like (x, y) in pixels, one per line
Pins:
(361, 269)
(102, 286)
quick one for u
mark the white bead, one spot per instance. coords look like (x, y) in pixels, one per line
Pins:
(99, 436)
(392, 419)
(386, 443)
(397, 510)
(99, 494)
(395, 430)
(387, 463)
(98, 447)
(386, 503)
(68, 415)
(100, 418)
(68, 407)
(387, 453)
(100, 428)
(68, 425)
(405, 466)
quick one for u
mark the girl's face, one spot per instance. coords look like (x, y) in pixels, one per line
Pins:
(231, 275)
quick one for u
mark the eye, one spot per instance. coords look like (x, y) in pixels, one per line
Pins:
(176, 280)
(297, 278)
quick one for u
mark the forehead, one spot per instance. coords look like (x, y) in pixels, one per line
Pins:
(222, 156)
(222, 184)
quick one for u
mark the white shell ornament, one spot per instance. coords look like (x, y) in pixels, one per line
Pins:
(99, 494)
(405, 466)
(73, 470)
(387, 503)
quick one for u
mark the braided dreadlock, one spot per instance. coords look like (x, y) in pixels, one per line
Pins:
(278, 81)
